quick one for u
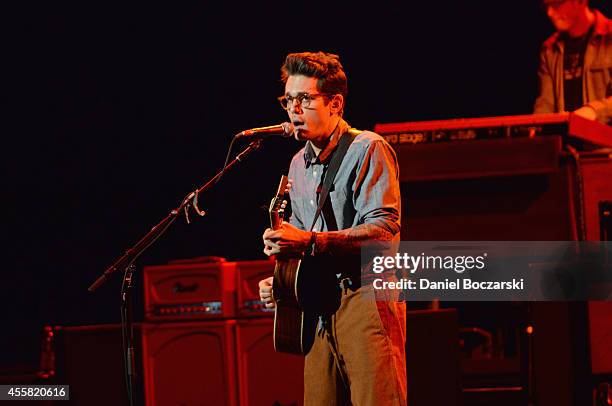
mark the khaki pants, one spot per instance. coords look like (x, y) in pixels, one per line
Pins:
(358, 357)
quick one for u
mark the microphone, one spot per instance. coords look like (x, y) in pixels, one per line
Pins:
(284, 129)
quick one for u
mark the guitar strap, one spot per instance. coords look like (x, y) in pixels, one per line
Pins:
(330, 175)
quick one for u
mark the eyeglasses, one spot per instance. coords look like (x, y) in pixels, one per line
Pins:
(303, 99)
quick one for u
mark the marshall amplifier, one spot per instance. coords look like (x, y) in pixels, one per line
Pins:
(198, 288)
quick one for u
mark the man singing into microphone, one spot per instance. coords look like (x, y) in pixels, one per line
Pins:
(358, 352)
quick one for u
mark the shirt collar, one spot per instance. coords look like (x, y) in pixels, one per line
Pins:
(310, 157)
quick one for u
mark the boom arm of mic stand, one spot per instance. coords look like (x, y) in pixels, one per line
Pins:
(131, 254)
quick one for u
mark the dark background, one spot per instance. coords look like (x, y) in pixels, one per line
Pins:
(123, 109)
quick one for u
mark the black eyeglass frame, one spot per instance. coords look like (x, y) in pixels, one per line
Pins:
(303, 99)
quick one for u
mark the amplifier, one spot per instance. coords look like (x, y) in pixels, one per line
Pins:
(90, 360)
(282, 382)
(191, 363)
(198, 288)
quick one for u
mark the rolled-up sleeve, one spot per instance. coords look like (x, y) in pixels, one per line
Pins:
(376, 190)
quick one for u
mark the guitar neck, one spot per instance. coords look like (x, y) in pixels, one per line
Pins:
(276, 205)
(275, 221)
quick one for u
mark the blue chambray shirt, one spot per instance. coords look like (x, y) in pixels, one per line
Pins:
(366, 189)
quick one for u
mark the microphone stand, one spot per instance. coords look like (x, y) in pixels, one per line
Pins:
(134, 252)
(126, 261)
(127, 331)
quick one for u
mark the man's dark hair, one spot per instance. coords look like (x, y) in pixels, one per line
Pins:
(326, 68)
(544, 3)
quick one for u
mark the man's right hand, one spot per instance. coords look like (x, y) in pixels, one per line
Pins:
(265, 292)
(587, 112)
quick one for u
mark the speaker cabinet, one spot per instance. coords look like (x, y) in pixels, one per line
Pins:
(596, 168)
(432, 357)
(189, 364)
(600, 315)
(266, 377)
(90, 360)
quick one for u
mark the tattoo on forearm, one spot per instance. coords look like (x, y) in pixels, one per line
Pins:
(352, 239)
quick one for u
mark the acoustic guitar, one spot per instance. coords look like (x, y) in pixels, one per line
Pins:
(294, 328)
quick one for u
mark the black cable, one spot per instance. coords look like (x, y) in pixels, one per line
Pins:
(578, 193)
(227, 158)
